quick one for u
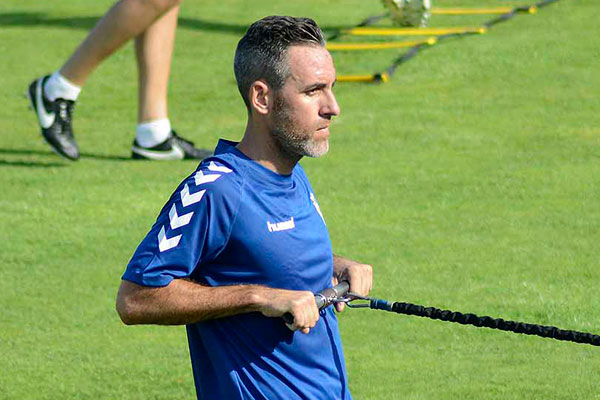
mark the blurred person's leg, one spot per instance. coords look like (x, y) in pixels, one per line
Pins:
(155, 138)
(154, 51)
(151, 22)
(124, 21)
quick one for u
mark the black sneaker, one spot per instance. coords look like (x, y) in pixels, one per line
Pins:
(174, 148)
(54, 118)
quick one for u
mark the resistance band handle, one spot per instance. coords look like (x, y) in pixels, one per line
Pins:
(324, 298)
(378, 304)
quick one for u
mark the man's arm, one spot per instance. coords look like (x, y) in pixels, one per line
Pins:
(360, 276)
(185, 302)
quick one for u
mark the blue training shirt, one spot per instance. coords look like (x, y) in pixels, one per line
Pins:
(231, 222)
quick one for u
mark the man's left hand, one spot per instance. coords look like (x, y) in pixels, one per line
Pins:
(360, 277)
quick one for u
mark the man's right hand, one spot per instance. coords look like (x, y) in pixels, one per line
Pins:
(300, 304)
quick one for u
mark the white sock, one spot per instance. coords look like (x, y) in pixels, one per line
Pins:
(149, 134)
(58, 87)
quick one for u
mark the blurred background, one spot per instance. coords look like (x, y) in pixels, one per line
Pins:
(470, 181)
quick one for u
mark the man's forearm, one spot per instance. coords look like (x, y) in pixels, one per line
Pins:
(186, 302)
(183, 302)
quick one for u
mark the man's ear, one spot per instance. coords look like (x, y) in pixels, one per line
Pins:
(261, 97)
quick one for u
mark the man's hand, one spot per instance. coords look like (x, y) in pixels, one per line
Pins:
(360, 277)
(300, 304)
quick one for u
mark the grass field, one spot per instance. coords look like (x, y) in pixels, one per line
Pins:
(471, 181)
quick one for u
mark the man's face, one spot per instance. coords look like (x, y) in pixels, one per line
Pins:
(303, 107)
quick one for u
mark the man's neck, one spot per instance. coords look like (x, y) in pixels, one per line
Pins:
(258, 145)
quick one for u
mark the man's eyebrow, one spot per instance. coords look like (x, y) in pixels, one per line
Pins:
(314, 86)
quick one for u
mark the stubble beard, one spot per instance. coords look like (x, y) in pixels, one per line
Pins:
(292, 140)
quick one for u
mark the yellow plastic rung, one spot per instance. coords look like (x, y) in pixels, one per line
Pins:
(362, 31)
(477, 11)
(379, 46)
(470, 11)
(364, 78)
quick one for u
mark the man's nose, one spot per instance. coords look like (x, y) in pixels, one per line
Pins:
(330, 107)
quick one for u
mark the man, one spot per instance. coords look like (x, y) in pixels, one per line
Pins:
(152, 23)
(242, 241)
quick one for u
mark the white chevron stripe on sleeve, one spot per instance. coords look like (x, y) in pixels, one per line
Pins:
(177, 221)
(201, 178)
(187, 198)
(214, 167)
(165, 243)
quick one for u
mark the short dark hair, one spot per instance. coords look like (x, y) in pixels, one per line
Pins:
(261, 52)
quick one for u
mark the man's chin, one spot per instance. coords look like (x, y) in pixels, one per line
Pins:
(317, 150)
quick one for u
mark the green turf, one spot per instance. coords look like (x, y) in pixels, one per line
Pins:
(471, 181)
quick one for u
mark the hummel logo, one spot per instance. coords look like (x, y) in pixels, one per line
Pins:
(216, 168)
(281, 226)
(46, 119)
(177, 221)
(200, 178)
(165, 243)
(188, 198)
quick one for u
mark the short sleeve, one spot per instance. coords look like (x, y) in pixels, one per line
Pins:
(192, 228)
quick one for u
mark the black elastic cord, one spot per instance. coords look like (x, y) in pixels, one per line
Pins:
(372, 20)
(487, 322)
